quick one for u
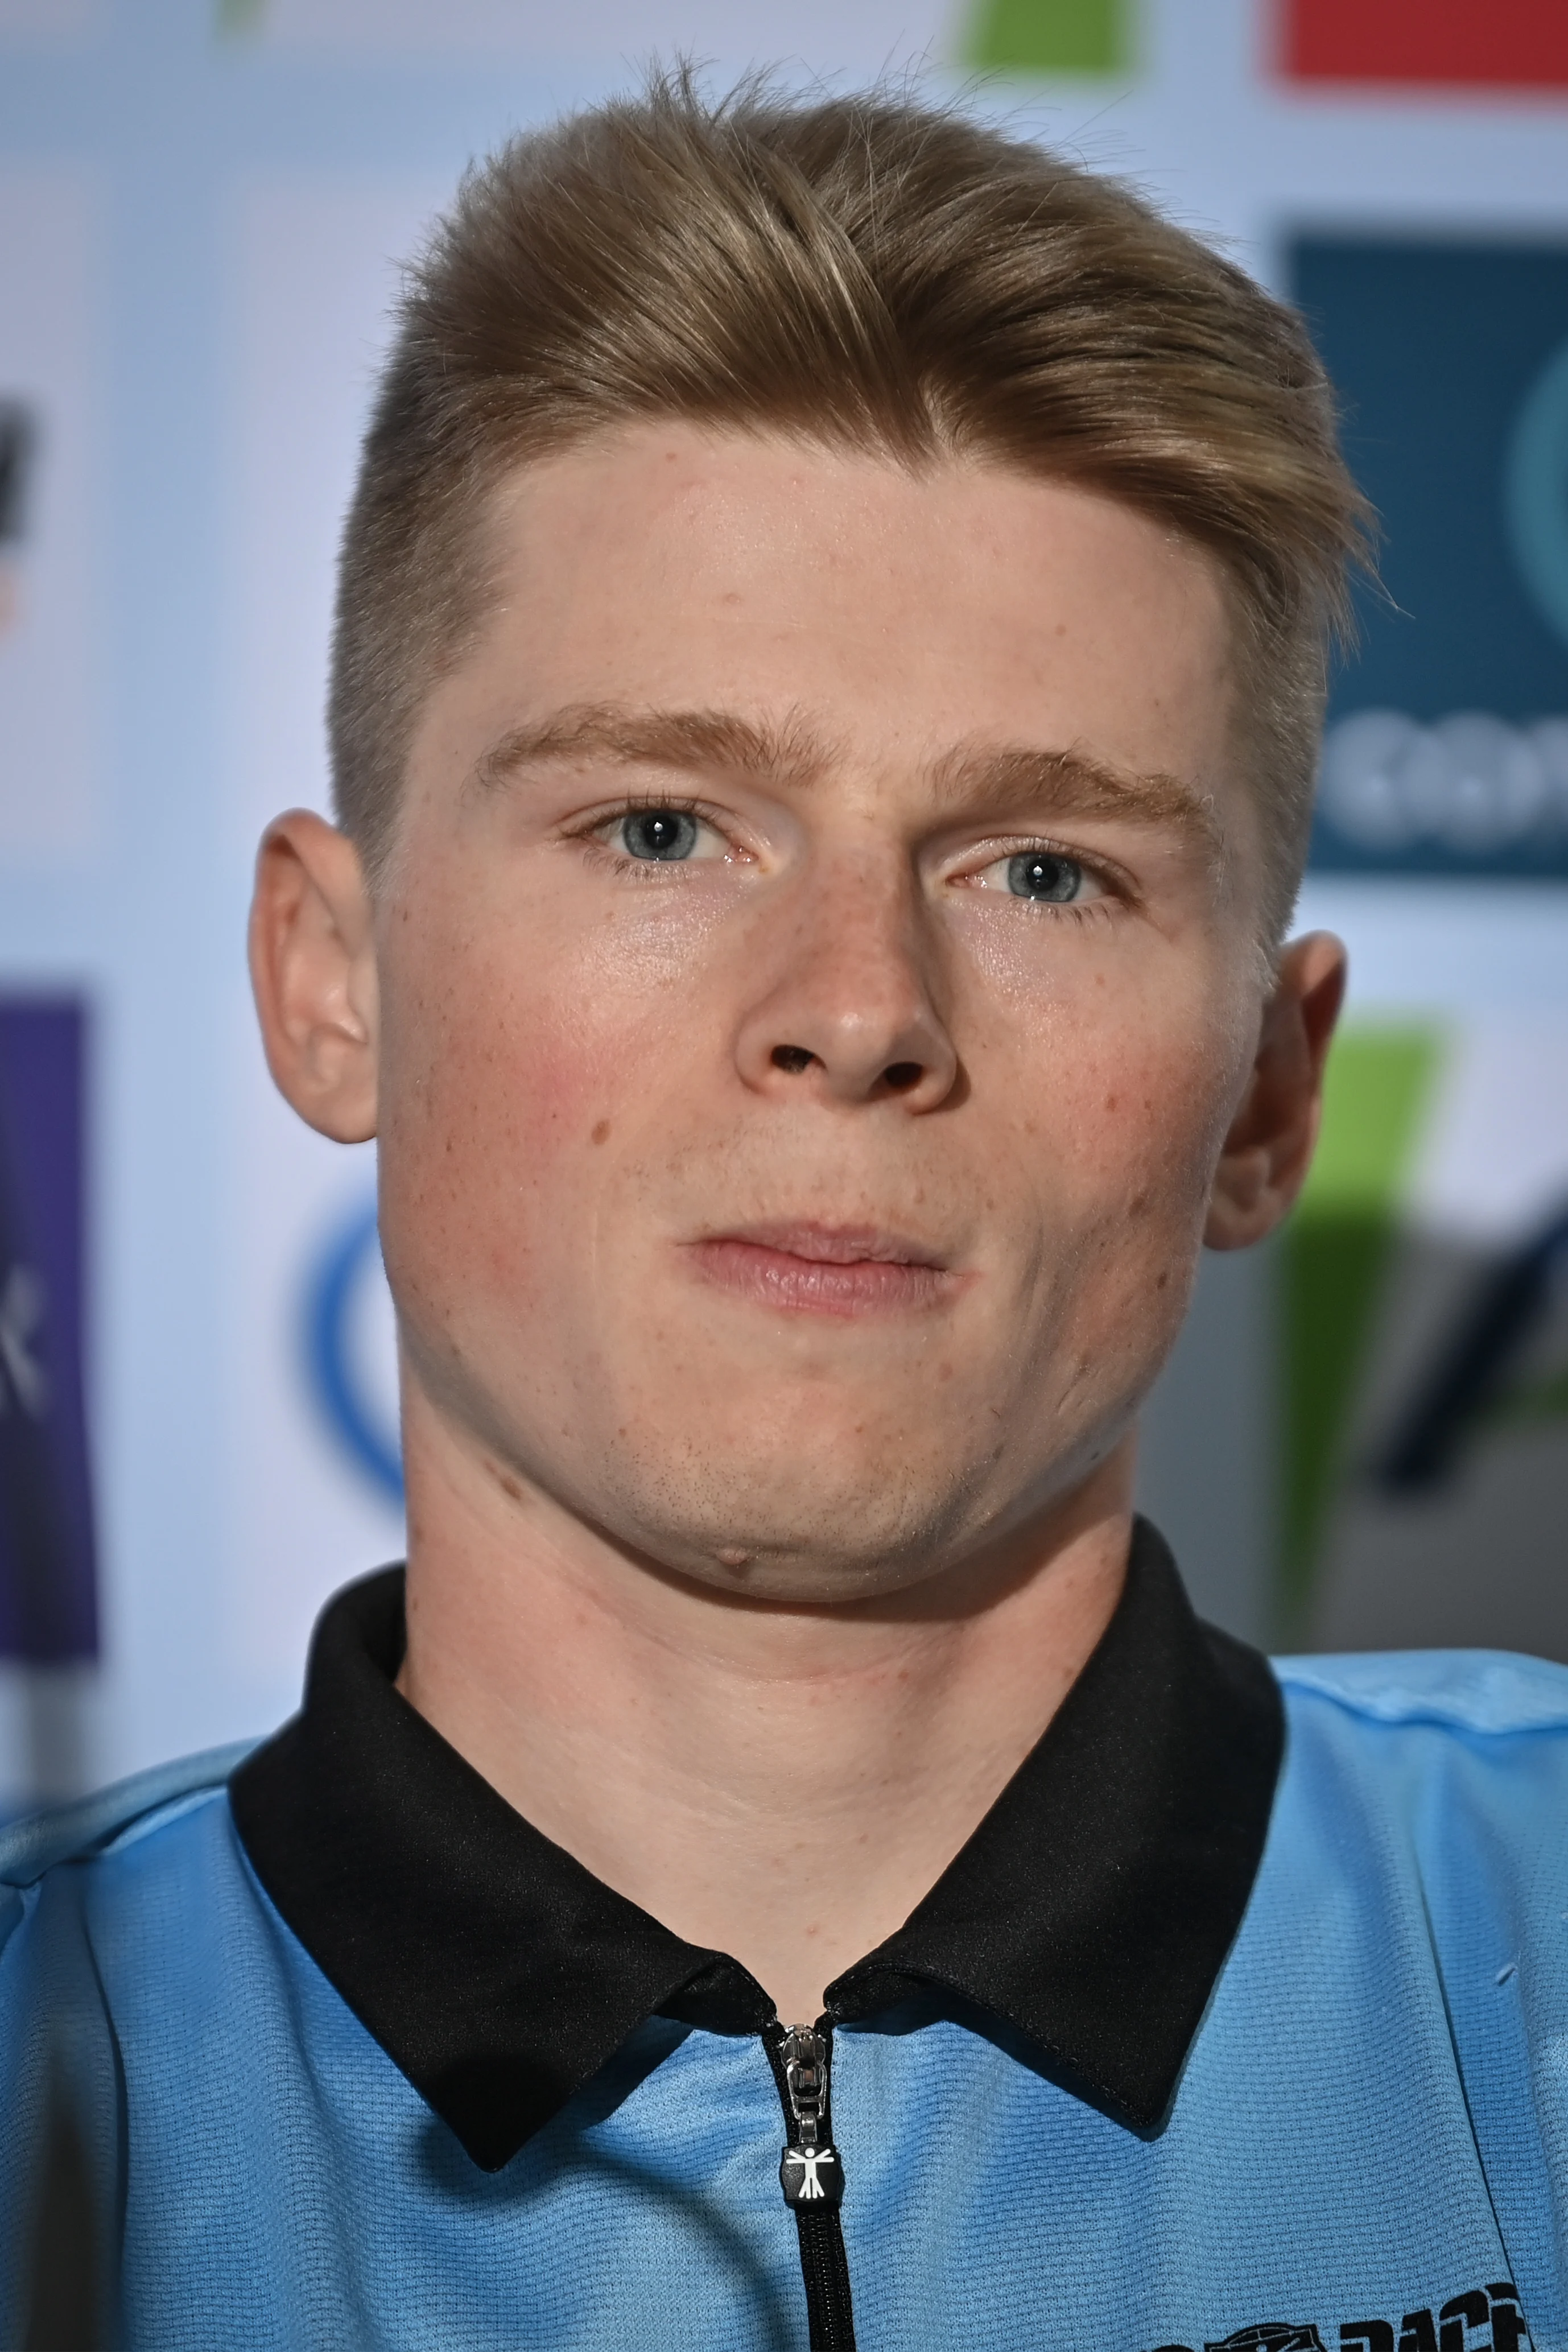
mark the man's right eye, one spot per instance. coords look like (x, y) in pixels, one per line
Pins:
(662, 834)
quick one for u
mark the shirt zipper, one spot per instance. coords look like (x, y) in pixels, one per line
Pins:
(811, 2174)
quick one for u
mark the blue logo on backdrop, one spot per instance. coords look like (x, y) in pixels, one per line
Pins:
(1536, 491)
(1447, 744)
(340, 1288)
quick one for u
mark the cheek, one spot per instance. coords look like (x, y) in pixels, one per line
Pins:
(1123, 1094)
(1119, 1173)
(499, 1098)
(1158, 1113)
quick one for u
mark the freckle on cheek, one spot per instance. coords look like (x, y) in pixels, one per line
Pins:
(601, 1133)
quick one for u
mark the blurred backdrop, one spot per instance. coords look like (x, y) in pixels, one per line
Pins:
(1363, 1439)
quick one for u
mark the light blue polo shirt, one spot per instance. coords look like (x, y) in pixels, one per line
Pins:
(1192, 2046)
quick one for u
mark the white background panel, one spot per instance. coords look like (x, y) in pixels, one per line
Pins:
(51, 355)
(862, 40)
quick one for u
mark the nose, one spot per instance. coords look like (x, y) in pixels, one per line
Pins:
(848, 1005)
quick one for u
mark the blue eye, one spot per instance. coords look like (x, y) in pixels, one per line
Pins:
(661, 833)
(1041, 873)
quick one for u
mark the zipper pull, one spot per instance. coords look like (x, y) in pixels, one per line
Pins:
(810, 2172)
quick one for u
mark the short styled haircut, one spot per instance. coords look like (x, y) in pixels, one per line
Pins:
(867, 273)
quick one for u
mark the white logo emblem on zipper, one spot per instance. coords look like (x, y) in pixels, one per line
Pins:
(811, 2186)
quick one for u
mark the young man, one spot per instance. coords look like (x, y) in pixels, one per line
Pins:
(830, 664)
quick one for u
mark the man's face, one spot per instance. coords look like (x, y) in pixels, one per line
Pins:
(818, 972)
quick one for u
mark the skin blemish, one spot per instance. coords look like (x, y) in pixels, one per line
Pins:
(601, 1133)
(731, 1556)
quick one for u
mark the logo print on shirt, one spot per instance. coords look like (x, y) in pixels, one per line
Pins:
(1271, 2336)
(1446, 2329)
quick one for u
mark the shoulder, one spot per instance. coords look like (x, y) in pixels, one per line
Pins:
(1475, 1696)
(94, 1826)
(1456, 1758)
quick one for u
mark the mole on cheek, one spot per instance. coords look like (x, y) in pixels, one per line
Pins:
(601, 1133)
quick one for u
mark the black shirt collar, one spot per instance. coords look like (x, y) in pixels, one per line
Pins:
(1086, 1920)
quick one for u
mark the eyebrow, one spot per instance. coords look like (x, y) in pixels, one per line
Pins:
(712, 742)
(1005, 778)
(1074, 782)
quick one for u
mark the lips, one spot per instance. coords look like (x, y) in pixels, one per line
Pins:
(817, 1269)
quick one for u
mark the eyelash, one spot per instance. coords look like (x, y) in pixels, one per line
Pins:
(1118, 887)
(644, 870)
(1115, 885)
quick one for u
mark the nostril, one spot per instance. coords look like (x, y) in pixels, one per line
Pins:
(900, 1076)
(793, 1058)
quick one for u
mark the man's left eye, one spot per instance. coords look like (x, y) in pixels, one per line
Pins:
(1044, 874)
(664, 836)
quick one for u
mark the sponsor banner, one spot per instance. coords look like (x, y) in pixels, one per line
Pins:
(48, 1597)
(1481, 44)
(1447, 744)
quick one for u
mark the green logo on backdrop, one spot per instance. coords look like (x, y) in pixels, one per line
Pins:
(1049, 36)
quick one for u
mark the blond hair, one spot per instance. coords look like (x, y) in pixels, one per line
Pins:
(870, 273)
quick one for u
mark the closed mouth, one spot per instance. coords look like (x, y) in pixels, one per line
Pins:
(810, 1269)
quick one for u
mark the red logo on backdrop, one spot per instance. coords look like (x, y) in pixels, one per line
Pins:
(1506, 43)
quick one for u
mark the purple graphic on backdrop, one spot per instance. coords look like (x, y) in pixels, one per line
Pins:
(49, 1600)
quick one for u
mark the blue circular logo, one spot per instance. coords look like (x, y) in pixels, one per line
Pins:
(1535, 492)
(340, 1290)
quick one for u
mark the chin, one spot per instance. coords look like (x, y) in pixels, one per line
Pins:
(820, 1496)
(803, 1528)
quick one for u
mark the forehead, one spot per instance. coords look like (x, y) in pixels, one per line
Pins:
(900, 612)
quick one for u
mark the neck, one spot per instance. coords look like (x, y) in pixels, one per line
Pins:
(780, 1782)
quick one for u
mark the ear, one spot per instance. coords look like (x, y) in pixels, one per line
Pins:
(312, 968)
(1270, 1147)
